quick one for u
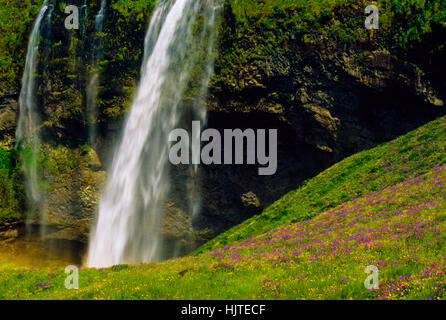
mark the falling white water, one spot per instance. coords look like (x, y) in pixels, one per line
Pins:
(27, 134)
(84, 16)
(92, 88)
(131, 208)
(100, 17)
(48, 30)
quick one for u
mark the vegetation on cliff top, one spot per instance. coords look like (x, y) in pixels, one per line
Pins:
(263, 41)
(398, 223)
(258, 37)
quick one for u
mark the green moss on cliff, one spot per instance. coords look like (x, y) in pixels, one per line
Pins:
(9, 188)
(264, 43)
(16, 19)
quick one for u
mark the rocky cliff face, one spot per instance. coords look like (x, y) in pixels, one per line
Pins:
(337, 111)
(328, 96)
(328, 99)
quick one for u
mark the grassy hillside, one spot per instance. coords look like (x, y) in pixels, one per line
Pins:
(370, 171)
(396, 222)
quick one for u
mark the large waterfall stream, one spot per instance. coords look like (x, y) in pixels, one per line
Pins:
(177, 65)
(176, 68)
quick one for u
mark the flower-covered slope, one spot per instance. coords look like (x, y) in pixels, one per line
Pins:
(400, 229)
(404, 158)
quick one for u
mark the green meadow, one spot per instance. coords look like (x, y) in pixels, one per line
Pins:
(384, 207)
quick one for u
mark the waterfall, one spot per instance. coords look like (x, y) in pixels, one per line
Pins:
(27, 134)
(131, 208)
(48, 32)
(99, 20)
(92, 87)
(84, 16)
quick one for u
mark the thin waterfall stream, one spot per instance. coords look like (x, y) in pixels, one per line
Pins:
(92, 87)
(27, 134)
(83, 17)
